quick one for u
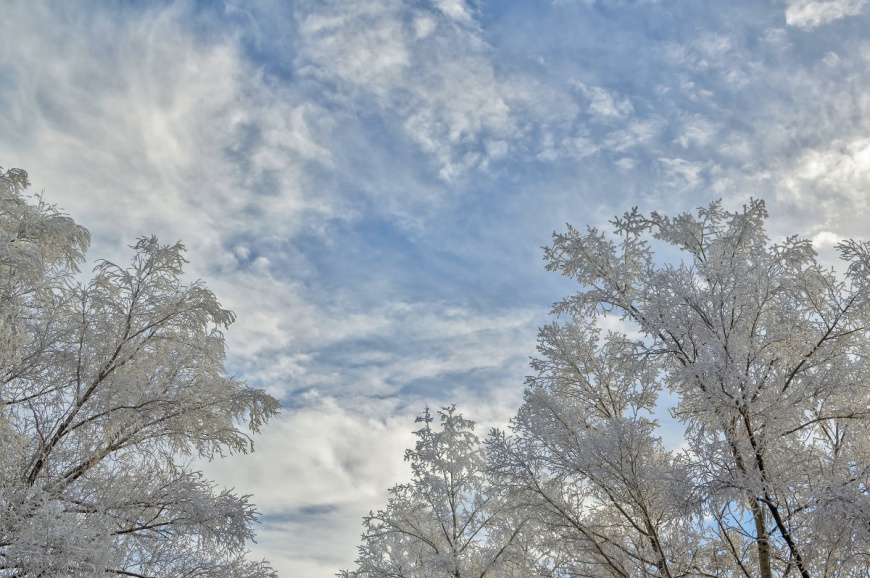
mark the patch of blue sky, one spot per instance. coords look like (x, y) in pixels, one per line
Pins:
(377, 168)
(268, 35)
(451, 387)
(374, 248)
(301, 513)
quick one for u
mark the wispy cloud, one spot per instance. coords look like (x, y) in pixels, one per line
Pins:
(158, 132)
(426, 70)
(812, 13)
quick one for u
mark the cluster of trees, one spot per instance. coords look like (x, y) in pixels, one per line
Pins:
(108, 390)
(765, 354)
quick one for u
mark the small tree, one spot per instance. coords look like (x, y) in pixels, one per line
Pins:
(108, 390)
(767, 354)
(445, 522)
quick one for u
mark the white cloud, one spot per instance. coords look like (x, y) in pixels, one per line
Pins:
(604, 105)
(837, 176)
(456, 9)
(424, 25)
(680, 175)
(144, 129)
(711, 66)
(320, 463)
(813, 13)
(825, 239)
(433, 76)
(282, 339)
(321, 454)
(697, 131)
(636, 132)
(362, 43)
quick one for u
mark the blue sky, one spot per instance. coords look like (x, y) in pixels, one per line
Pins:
(368, 184)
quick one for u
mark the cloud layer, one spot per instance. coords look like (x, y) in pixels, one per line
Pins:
(367, 184)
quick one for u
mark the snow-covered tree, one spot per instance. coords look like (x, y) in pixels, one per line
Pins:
(445, 522)
(766, 353)
(109, 389)
(585, 464)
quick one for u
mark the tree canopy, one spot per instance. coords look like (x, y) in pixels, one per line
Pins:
(446, 521)
(109, 389)
(764, 353)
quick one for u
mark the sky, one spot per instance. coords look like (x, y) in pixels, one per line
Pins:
(368, 185)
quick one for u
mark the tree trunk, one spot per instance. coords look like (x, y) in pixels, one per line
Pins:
(762, 540)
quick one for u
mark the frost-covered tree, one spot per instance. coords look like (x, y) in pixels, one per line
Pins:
(109, 389)
(766, 354)
(445, 522)
(586, 466)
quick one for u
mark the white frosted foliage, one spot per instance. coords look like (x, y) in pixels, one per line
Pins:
(765, 352)
(447, 521)
(109, 389)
